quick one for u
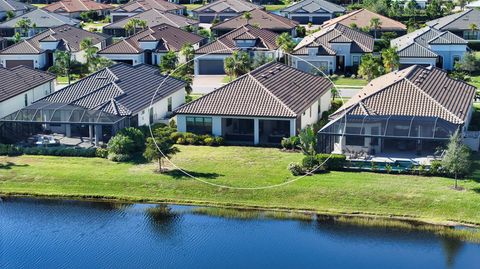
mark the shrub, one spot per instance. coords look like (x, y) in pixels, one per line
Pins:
(61, 151)
(209, 141)
(309, 162)
(181, 141)
(118, 157)
(334, 162)
(101, 153)
(121, 144)
(10, 150)
(176, 135)
(388, 168)
(436, 168)
(192, 140)
(219, 141)
(296, 169)
(290, 143)
(137, 136)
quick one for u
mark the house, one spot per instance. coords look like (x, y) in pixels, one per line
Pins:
(422, 4)
(361, 19)
(152, 17)
(223, 9)
(104, 102)
(209, 59)
(407, 113)
(21, 86)
(428, 46)
(460, 24)
(261, 107)
(474, 4)
(314, 11)
(40, 19)
(73, 8)
(135, 7)
(18, 8)
(3, 43)
(335, 48)
(260, 19)
(149, 45)
(38, 51)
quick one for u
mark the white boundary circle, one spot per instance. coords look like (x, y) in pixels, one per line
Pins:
(244, 188)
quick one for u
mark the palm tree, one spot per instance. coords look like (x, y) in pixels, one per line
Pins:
(369, 67)
(391, 60)
(133, 24)
(473, 28)
(375, 24)
(247, 16)
(24, 24)
(10, 15)
(285, 44)
(90, 51)
(238, 64)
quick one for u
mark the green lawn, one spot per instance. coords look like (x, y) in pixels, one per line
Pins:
(426, 198)
(96, 25)
(274, 7)
(64, 80)
(39, 5)
(349, 81)
(228, 79)
(192, 6)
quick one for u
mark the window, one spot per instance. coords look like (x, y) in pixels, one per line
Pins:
(169, 105)
(354, 140)
(356, 60)
(26, 99)
(199, 125)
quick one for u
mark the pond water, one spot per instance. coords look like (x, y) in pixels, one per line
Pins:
(78, 234)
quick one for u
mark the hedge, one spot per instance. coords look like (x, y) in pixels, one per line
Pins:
(333, 161)
(12, 150)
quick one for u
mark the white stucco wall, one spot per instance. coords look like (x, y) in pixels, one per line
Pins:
(18, 102)
(160, 112)
(39, 60)
(423, 61)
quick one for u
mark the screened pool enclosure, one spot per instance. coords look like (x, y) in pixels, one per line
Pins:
(373, 134)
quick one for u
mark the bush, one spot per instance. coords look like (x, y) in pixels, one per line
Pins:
(296, 169)
(290, 143)
(61, 151)
(119, 157)
(176, 135)
(334, 162)
(436, 168)
(209, 141)
(121, 144)
(101, 153)
(219, 141)
(137, 136)
(309, 162)
(181, 141)
(10, 150)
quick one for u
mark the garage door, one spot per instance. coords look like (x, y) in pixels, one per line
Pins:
(301, 20)
(13, 63)
(210, 67)
(304, 66)
(116, 18)
(206, 19)
(319, 20)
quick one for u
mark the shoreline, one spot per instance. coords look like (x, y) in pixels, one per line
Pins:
(363, 215)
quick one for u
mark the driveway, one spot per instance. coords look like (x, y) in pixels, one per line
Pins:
(206, 83)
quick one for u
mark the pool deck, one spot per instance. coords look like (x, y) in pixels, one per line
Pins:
(394, 157)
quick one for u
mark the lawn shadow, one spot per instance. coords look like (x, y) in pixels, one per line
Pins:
(477, 190)
(177, 174)
(9, 165)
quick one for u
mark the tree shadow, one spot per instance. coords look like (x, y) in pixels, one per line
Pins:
(177, 174)
(9, 165)
(477, 190)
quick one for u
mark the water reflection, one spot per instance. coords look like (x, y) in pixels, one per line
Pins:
(163, 220)
(452, 248)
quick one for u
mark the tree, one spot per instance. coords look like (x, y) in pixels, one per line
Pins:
(391, 60)
(375, 24)
(473, 28)
(24, 24)
(100, 63)
(185, 71)
(308, 141)
(370, 67)
(168, 62)
(10, 15)
(434, 9)
(133, 24)
(17, 37)
(286, 45)
(90, 52)
(457, 158)
(462, 3)
(62, 64)
(247, 16)
(412, 9)
(160, 146)
(469, 63)
(237, 64)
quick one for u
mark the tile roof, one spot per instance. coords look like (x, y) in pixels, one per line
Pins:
(337, 33)
(20, 79)
(313, 6)
(272, 90)
(457, 21)
(121, 89)
(71, 6)
(414, 91)
(155, 17)
(42, 19)
(220, 6)
(261, 19)
(226, 43)
(144, 5)
(69, 37)
(418, 43)
(12, 5)
(169, 39)
(362, 19)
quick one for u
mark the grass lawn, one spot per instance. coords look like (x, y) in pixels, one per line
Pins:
(39, 5)
(192, 6)
(426, 198)
(94, 25)
(274, 7)
(349, 81)
(228, 79)
(64, 80)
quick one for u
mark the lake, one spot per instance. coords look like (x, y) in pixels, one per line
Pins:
(39, 233)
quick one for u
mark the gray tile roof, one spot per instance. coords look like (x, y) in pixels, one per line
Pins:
(12, 5)
(20, 79)
(417, 43)
(457, 21)
(155, 17)
(362, 18)
(261, 19)
(70, 38)
(337, 33)
(144, 5)
(414, 91)
(313, 6)
(226, 43)
(72, 6)
(229, 6)
(121, 89)
(272, 90)
(169, 39)
(42, 19)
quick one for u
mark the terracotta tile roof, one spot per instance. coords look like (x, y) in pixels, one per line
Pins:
(313, 6)
(457, 21)
(362, 19)
(272, 90)
(220, 6)
(20, 79)
(71, 6)
(69, 37)
(169, 39)
(226, 43)
(144, 5)
(155, 17)
(414, 91)
(261, 19)
(42, 19)
(337, 33)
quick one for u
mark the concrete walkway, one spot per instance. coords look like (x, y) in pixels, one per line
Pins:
(206, 83)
